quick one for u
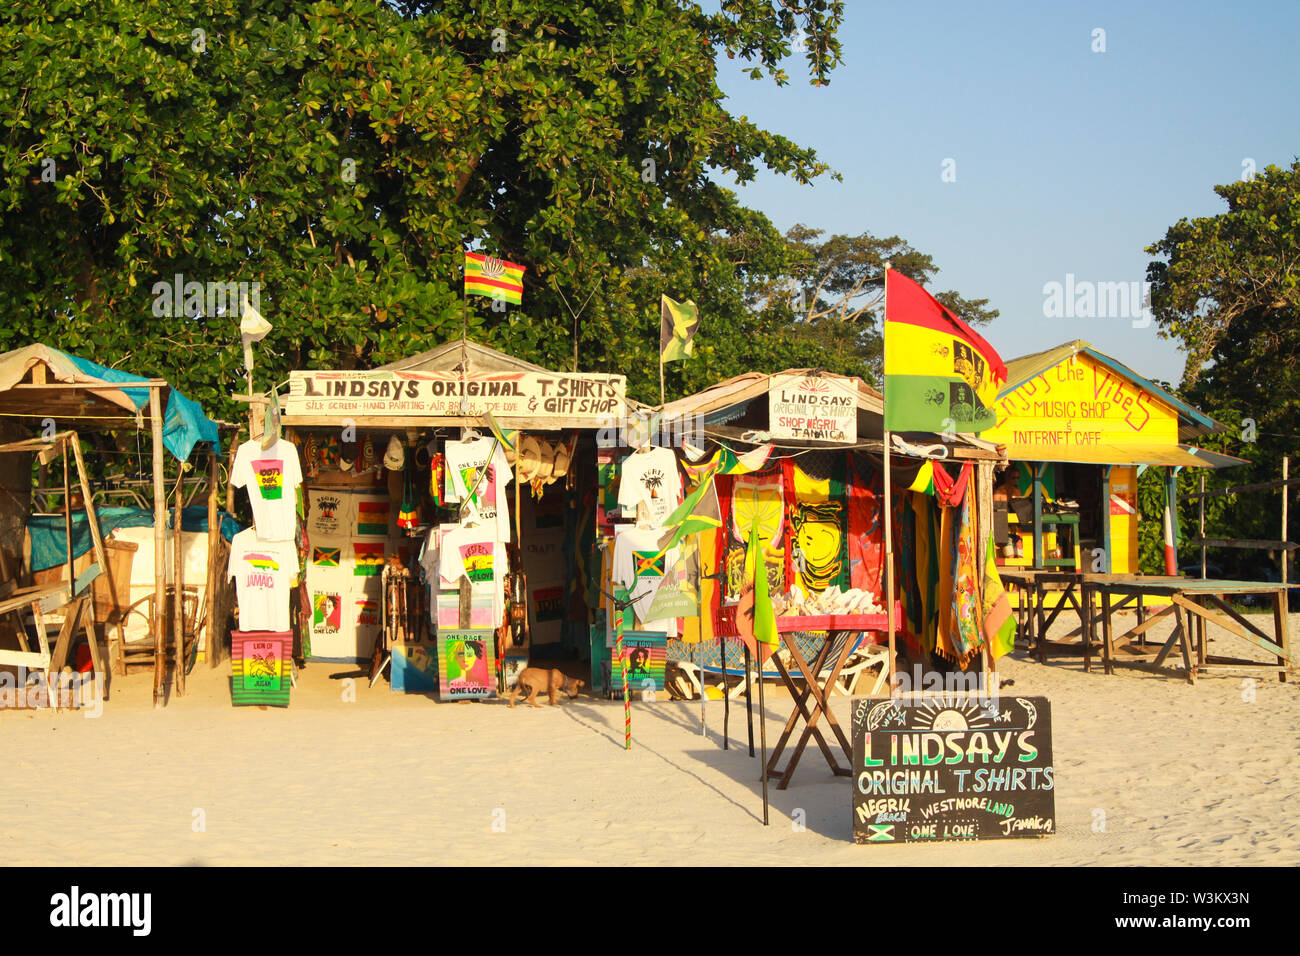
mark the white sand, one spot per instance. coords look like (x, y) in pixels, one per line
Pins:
(1184, 775)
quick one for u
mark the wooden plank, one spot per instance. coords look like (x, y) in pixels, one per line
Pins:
(1232, 613)
(1255, 543)
(1228, 625)
(1259, 486)
(159, 545)
(32, 660)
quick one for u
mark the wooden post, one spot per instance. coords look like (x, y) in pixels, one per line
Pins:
(159, 544)
(178, 591)
(1036, 468)
(214, 537)
(1286, 465)
(1201, 527)
(67, 521)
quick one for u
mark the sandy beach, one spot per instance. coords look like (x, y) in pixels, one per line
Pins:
(1150, 771)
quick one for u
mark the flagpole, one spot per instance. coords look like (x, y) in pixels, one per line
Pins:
(889, 515)
(726, 695)
(762, 728)
(749, 703)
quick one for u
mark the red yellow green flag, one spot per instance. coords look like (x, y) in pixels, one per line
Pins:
(940, 375)
(495, 278)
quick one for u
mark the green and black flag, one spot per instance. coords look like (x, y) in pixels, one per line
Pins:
(677, 326)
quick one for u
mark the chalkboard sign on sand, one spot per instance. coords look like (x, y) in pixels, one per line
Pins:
(952, 768)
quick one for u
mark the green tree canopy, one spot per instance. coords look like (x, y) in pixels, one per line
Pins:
(344, 154)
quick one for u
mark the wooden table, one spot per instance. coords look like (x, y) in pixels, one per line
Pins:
(841, 631)
(1192, 602)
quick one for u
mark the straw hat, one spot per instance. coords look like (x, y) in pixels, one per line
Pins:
(530, 458)
(563, 457)
(395, 455)
(546, 468)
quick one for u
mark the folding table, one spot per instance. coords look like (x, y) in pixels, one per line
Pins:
(840, 633)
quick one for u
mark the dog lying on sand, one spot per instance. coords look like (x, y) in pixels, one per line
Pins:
(533, 680)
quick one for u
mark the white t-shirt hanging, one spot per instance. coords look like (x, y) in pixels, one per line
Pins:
(478, 555)
(262, 571)
(650, 476)
(489, 504)
(272, 477)
(637, 568)
(330, 513)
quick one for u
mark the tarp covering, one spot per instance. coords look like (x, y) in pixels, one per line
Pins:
(47, 531)
(184, 423)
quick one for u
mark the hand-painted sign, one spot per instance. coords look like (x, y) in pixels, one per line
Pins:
(1080, 403)
(575, 395)
(814, 407)
(466, 664)
(952, 768)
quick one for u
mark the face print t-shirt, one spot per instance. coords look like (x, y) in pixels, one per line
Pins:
(650, 476)
(262, 571)
(272, 477)
(487, 504)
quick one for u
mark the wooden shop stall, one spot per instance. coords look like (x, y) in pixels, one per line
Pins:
(1079, 427)
(799, 456)
(96, 548)
(449, 506)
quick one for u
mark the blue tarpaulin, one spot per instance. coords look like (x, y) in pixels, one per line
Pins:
(47, 531)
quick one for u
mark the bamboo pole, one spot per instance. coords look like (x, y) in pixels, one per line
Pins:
(210, 618)
(178, 591)
(159, 543)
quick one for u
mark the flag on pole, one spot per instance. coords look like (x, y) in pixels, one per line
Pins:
(495, 278)
(678, 322)
(764, 615)
(507, 437)
(940, 375)
(699, 511)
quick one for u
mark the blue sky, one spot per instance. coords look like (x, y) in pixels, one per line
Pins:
(1066, 160)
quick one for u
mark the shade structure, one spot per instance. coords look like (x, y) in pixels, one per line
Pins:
(184, 423)
(1144, 453)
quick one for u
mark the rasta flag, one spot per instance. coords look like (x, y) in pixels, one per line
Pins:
(495, 278)
(940, 375)
(372, 517)
(369, 559)
(678, 323)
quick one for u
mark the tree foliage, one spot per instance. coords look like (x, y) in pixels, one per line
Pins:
(1228, 288)
(343, 154)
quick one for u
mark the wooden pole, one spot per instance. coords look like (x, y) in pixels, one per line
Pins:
(1286, 464)
(889, 533)
(1201, 526)
(214, 538)
(178, 591)
(762, 727)
(159, 544)
(726, 695)
(67, 522)
(101, 555)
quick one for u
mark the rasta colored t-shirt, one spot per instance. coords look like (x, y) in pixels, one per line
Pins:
(263, 571)
(272, 476)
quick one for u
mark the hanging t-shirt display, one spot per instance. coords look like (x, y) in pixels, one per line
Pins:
(761, 499)
(329, 563)
(373, 516)
(272, 476)
(639, 567)
(330, 514)
(650, 476)
(485, 500)
(475, 553)
(262, 571)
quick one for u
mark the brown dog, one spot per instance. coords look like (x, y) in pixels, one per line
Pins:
(532, 680)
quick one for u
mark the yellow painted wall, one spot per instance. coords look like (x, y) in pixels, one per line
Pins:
(1077, 403)
(1123, 525)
